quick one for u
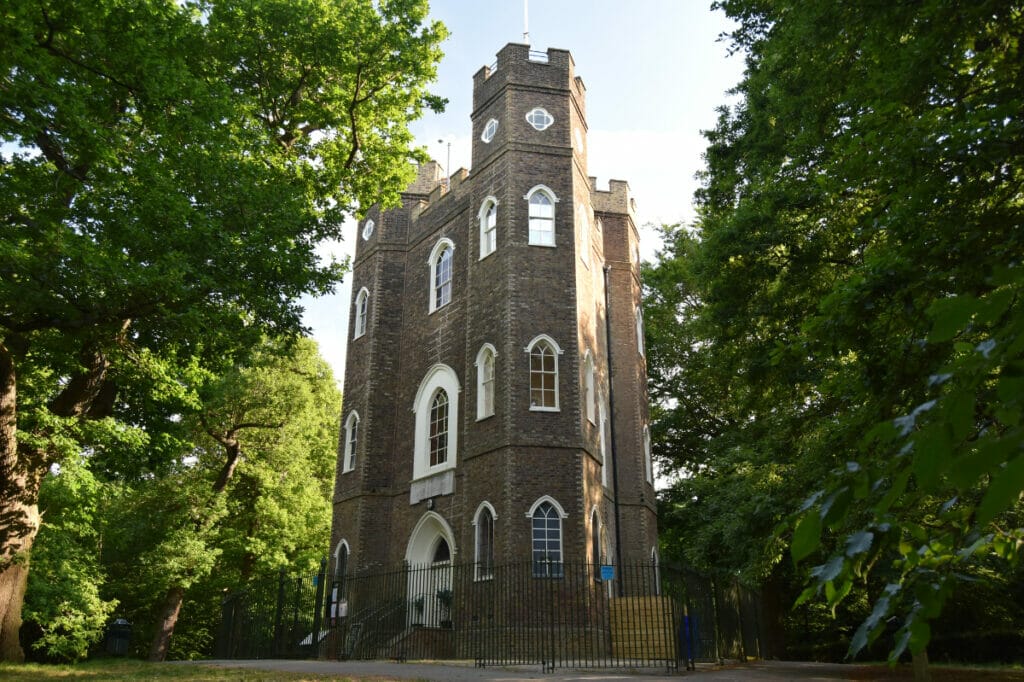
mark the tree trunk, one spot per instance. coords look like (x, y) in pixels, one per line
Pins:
(14, 577)
(920, 664)
(19, 515)
(13, 522)
(165, 628)
(21, 471)
(176, 595)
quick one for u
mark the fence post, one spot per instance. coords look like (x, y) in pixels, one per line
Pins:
(716, 604)
(279, 615)
(321, 577)
(226, 626)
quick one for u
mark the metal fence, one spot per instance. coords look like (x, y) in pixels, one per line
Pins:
(561, 615)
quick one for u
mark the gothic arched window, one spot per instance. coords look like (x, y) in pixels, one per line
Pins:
(546, 522)
(488, 227)
(544, 354)
(441, 274)
(351, 439)
(484, 523)
(362, 306)
(542, 216)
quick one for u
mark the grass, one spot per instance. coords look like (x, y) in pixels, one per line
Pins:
(124, 670)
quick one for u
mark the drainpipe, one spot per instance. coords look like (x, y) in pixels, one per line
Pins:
(611, 427)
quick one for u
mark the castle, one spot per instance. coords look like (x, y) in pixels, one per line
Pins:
(495, 406)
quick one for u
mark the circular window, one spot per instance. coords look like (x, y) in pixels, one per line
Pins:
(539, 118)
(489, 130)
(368, 229)
(579, 140)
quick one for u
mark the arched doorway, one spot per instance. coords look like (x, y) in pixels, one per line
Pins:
(429, 555)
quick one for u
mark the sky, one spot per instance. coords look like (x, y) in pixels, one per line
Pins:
(655, 73)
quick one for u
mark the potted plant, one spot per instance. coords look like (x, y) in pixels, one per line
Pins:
(444, 597)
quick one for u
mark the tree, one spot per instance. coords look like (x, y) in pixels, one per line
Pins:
(64, 595)
(174, 166)
(253, 493)
(211, 520)
(858, 278)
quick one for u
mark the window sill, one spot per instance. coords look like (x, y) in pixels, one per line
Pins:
(534, 408)
(485, 417)
(440, 307)
(547, 246)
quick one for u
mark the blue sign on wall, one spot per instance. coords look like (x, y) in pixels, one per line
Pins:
(607, 572)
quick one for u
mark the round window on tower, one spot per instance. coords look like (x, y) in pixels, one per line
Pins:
(368, 229)
(489, 130)
(539, 118)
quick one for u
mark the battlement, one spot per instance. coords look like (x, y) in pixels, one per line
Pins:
(428, 178)
(615, 199)
(517, 64)
(444, 187)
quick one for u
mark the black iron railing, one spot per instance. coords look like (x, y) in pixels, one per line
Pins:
(580, 615)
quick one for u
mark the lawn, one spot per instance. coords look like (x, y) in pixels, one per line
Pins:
(124, 670)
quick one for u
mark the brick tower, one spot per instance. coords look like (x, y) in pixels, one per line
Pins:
(481, 421)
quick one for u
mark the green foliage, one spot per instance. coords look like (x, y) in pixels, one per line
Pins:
(167, 171)
(844, 327)
(64, 591)
(273, 512)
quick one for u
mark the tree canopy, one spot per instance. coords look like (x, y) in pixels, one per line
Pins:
(168, 169)
(247, 492)
(841, 333)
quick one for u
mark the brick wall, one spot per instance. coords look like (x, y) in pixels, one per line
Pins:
(506, 299)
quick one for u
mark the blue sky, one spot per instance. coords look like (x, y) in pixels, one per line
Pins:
(655, 72)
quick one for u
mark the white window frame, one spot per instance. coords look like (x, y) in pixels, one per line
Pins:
(368, 228)
(488, 231)
(589, 395)
(489, 131)
(560, 515)
(540, 239)
(438, 377)
(485, 385)
(539, 118)
(438, 416)
(556, 351)
(435, 257)
(656, 564)
(640, 330)
(648, 461)
(488, 572)
(362, 310)
(340, 571)
(351, 442)
(342, 544)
